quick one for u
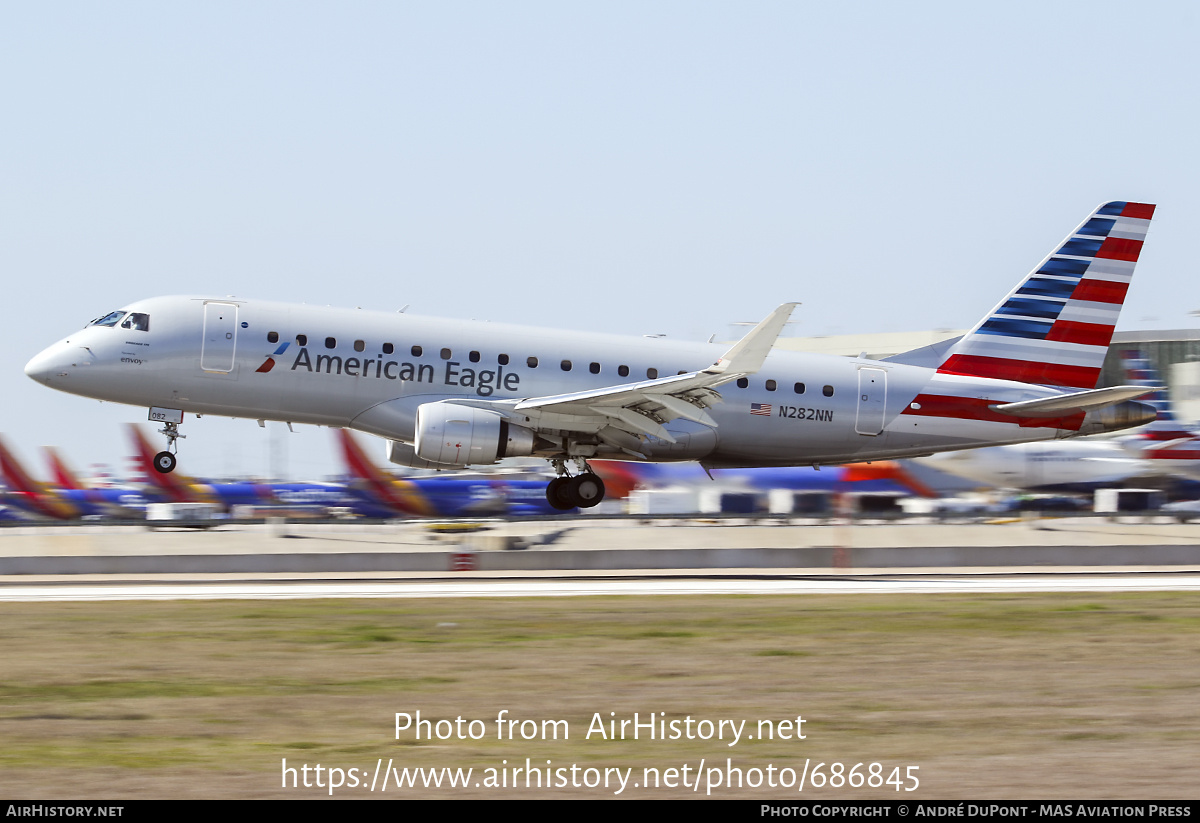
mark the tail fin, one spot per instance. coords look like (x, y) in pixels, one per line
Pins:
(886, 470)
(174, 487)
(63, 475)
(1054, 328)
(15, 475)
(399, 495)
(29, 493)
(620, 477)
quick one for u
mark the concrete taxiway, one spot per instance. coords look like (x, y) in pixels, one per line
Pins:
(602, 547)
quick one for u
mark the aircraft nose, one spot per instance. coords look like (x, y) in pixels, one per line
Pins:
(49, 365)
(40, 367)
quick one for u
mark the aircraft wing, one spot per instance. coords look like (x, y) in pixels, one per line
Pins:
(621, 414)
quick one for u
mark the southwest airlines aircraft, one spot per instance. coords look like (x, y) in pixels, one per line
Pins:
(449, 394)
(41, 500)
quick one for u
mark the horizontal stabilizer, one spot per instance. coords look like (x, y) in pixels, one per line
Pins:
(1064, 404)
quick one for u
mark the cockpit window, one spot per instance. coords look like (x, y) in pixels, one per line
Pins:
(137, 321)
(110, 319)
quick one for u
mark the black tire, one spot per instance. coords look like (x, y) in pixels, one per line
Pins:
(586, 490)
(164, 462)
(557, 494)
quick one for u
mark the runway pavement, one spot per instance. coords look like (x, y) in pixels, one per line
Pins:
(609, 557)
(602, 586)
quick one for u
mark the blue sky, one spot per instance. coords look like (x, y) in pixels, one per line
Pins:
(635, 167)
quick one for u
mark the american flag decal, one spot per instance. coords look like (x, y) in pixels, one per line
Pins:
(761, 408)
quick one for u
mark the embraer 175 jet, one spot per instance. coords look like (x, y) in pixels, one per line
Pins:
(450, 394)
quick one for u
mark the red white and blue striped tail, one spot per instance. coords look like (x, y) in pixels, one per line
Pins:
(1054, 328)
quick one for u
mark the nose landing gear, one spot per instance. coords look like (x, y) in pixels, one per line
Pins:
(164, 461)
(583, 491)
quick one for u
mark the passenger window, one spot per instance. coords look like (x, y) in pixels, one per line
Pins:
(502, 359)
(566, 365)
(594, 368)
(446, 354)
(742, 383)
(827, 391)
(416, 351)
(770, 385)
(359, 345)
(331, 342)
(272, 337)
(652, 374)
(473, 357)
(531, 362)
(623, 371)
(302, 340)
(799, 387)
(388, 348)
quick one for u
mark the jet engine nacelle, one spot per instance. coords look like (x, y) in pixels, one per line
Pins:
(1124, 415)
(454, 435)
(403, 454)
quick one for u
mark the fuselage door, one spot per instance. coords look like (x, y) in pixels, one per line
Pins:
(872, 397)
(220, 337)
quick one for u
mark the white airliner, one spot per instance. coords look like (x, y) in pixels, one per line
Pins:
(450, 393)
(1164, 447)
(1062, 464)
(1167, 444)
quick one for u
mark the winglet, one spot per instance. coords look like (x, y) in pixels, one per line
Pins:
(748, 354)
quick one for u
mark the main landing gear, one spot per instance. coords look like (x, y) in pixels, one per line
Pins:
(583, 491)
(164, 461)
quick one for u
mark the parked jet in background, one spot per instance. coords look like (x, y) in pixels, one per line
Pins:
(173, 488)
(621, 477)
(458, 494)
(132, 501)
(313, 497)
(1168, 445)
(1164, 447)
(1063, 465)
(43, 500)
(29, 495)
(64, 476)
(449, 394)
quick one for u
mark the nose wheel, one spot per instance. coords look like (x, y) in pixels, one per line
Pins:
(164, 461)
